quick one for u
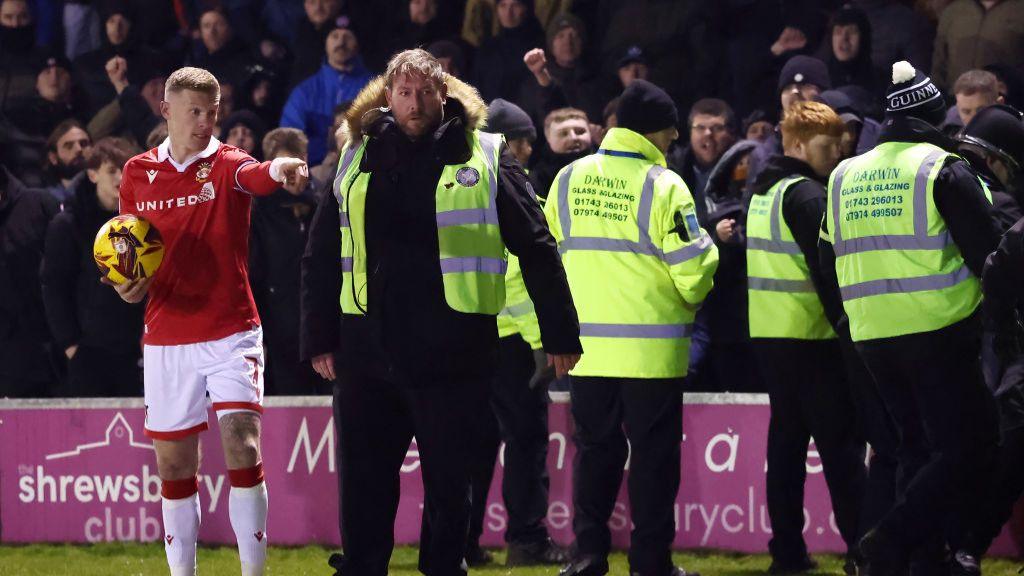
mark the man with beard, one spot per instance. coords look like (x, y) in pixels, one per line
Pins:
(568, 140)
(310, 107)
(66, 149)
(410, 249)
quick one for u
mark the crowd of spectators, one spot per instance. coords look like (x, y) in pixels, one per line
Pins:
(81, 83)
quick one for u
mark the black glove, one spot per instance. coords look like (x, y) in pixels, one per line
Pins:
(542, 373)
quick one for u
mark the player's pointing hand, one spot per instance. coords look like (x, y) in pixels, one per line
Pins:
(292, 172)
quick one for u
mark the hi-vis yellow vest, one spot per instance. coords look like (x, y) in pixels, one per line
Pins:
(782, 301)
(638, 263)
(899, 271)
(472, 253)
(518, 315)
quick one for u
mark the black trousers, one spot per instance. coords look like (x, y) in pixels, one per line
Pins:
(650, 413)
(1007, 485)
(884, 474)
(97, 372)
(518, 417)
(932, 385)
(810, 397)
(376, 420)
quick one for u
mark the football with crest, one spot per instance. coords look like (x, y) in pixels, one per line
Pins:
(128, 247)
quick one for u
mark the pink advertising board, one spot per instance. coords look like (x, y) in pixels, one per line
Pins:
(82, 471)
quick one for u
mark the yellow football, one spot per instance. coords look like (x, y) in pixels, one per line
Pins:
(128, 247)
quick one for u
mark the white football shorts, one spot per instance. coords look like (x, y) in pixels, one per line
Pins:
(182, 381)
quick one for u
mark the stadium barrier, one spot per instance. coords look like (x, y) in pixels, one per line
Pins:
(82, 471)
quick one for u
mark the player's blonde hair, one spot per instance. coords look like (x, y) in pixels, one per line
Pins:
(805, 120)
(415, 61)
(194, 79)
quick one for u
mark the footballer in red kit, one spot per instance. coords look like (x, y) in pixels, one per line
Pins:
(202, 344)
(201, 208)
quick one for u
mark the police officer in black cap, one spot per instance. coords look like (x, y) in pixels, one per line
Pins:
(994, 143)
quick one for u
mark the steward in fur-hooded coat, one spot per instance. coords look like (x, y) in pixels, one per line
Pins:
(410, 335)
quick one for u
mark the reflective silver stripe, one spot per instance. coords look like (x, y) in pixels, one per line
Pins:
(346, 263)
(919, 240)
(688, 252)
(467, 216)
(607, 245)
(489, 144)
(346, 161)
(893, 242)
(593, 330)
(517, 310)
(921, 193)
(775, 218)
(903, 285)
(643, 210)
(563, 202)
(773, 246)
(837, 192)
(473, 264)
(776, 285)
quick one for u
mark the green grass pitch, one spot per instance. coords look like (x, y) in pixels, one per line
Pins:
(148, 559)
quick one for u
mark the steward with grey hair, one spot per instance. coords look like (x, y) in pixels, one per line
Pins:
(404, 275)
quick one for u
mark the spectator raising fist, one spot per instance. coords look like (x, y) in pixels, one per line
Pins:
(117, 72)
(537, 62)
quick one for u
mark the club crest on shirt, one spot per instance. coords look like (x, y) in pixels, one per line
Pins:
(467, 176)
(203, 172)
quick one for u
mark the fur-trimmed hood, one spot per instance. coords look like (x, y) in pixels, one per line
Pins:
(366, 108)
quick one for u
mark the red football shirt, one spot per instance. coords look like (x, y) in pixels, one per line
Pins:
(201, 208)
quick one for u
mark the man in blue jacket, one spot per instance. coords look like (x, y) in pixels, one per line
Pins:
(310, 106)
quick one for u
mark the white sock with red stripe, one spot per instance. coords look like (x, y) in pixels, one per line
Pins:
(180, 504)
(247, 506)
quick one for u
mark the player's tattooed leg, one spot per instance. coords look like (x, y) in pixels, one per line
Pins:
(240, 435)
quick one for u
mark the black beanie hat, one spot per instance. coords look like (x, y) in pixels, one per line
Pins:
(802, 69)
(504, 117)
(645, 108)
(913, 94)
